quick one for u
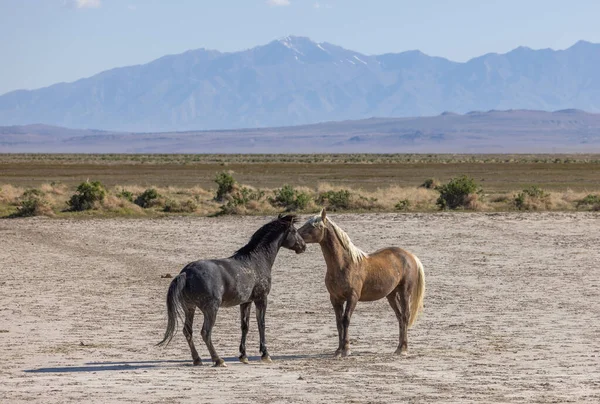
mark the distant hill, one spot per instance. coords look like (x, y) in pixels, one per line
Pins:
(295, 81)
(513, 131)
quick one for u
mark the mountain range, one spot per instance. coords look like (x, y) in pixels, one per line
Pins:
(514, 131)
(295, 81)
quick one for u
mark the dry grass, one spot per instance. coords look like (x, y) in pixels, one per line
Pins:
(383, 199)
(420, 198)
(58, 189)
(566, 200)
(114, 204)
(379, 183)
(200, 201)
(473, 202)
(10, 193)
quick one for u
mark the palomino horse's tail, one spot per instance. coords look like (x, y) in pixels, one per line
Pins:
(174, 307)
(416, 303)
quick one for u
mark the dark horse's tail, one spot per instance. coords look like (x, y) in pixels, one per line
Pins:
(174, 307)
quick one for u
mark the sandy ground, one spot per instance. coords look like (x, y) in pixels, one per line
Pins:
(512, 314)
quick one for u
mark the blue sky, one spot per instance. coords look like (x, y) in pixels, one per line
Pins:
(48, 41)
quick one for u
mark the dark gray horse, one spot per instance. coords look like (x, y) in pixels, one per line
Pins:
(241, 279)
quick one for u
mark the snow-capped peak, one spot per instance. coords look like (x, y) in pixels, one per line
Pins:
(290, 42)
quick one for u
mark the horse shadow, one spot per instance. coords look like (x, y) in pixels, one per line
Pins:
(150, 364)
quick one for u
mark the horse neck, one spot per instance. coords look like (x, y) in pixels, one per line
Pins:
(265, 252)
(336, 256)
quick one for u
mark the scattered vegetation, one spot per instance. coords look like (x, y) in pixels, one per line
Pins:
(590, 202)
(459, 192)
(532, 198)
(290, 199)
(430, 183)
(88, 195)
(341, 158)
(229, 196)
(362, 202)
(358, 172)
(242, 200)
(187, 206)
(335, 200)
(402, 204)
(127, 195)
(148, 198)
(33, 202)
(225, 185)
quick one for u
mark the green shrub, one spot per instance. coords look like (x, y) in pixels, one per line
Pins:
(244, 195)
(147, 198)
(188, 206)
(335, 199)
(228, 209)
(591, 202)
(289, 198)
(430, 183)
(88, 194)
(457, 193)
(532, 198)
(403, 204)
(33, 203)
(127, 195)
(240, 198)
(225, 185)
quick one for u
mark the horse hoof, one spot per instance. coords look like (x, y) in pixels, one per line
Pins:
(244, 359)
(220, 364)
(401, 352)
(337, 354)
(346, 353)
(197, 362)
(266, 359)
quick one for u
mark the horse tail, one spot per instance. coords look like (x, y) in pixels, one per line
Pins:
(174, 307)
(416, 303)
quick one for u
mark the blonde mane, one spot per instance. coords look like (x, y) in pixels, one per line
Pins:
(356, 254)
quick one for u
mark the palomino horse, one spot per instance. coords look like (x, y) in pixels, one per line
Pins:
(354, 276)
(239, 280)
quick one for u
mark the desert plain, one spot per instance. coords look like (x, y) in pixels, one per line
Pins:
(511, 314)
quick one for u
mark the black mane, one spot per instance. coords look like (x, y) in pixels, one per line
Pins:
(266, 234)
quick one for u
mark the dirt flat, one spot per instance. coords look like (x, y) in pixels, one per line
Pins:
(493, 176)
(512, 314)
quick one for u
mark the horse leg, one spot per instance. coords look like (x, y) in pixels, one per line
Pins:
(188, 331)
(210, 316)
(338, 308)
(404, 299)
(400, 309)
(261, 309)
(245, 318)
(350, 305)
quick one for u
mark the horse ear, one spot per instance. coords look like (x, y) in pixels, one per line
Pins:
(290, 219)
(323, 215)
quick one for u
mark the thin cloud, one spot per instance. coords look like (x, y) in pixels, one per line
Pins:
(83, 3)
(278, 3)
(318, 5)
(88, 3)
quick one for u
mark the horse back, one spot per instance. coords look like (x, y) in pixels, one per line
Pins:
(223, 280)
(386, 270)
